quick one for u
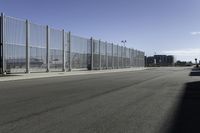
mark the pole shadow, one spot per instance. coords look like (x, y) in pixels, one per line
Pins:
(187, 117)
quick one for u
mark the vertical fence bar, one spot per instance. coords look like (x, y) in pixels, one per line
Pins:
(125, 62)
(135, 58)
(27, 47)
(112, 56)
(92, 58)
(106, 46)
(70, 51)
(132, 58)
(47, 47)
(144, 59)
(139, 59)
(129, 57)
(99, 54)
(131, 52)
(63, 50)
(2, 61)
(122, 49)
(117, 56)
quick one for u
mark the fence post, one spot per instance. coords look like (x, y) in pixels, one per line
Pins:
(63, 49)
(47, 49)
(92, 58)
(112, 56)
(136, 58)
(122, 50)
(106, 55)
(27, 47)
(133, 57)
(70, 52)
(129, 57)
(3, 69)
(117, 56)
(140, 58)
(132, 63)
(144, 59)
(99, 54)
(125, 62)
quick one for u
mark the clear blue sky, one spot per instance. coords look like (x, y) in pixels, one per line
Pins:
(161, 26)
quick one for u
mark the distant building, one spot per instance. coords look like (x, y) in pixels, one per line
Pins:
(183, 63)
(170, 60)
(149, 60)
(160, 60)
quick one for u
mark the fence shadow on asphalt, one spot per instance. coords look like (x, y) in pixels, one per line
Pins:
(8, 75)
(194, 73)
(187, 117)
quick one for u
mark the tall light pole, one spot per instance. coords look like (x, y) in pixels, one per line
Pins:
(124, 42)
(123, 53)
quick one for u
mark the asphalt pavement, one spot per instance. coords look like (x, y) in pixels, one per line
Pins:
(158, 100)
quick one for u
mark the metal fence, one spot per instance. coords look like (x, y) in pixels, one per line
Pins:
(29, 47)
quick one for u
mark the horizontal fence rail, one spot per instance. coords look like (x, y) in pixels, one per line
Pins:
(28, 47)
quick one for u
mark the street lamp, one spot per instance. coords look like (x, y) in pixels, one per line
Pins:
(124, 42)
(123, 51)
